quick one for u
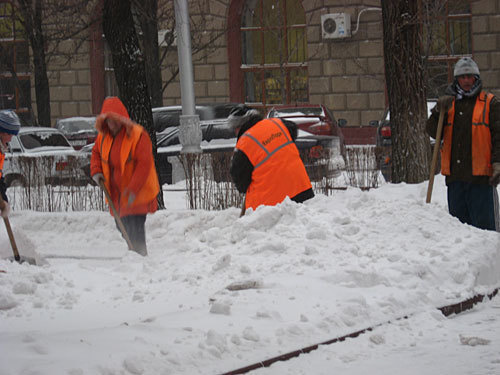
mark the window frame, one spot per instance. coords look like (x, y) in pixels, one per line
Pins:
(239, 70)
(448, 57)
(16, 74)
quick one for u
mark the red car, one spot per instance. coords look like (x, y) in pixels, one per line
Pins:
(314, 118)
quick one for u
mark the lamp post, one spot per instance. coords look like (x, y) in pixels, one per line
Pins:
(189, 130)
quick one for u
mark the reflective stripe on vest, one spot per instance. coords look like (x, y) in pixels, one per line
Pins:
(481, 138)
(278, 169)
(151, 187)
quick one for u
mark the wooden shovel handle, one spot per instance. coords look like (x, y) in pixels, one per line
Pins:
(435, 155)
(243, 206)
(11, 234)
(116, 215)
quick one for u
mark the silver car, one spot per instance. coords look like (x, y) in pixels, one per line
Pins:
(42, 155)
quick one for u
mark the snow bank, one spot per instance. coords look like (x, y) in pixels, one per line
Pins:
(218, 292)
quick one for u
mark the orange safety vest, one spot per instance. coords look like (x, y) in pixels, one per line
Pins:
(150, 188)
(481, 138)
(2, 159)
(278, 169)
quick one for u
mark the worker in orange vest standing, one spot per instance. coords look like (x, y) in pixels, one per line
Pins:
(470, 154)
(266, 164)
(122, 158)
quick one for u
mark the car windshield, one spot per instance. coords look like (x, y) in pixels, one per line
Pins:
(209, 132)
(293, 112)
(166, 117)
(74, 126)
(43, 139)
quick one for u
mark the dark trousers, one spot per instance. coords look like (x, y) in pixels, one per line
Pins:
(134, 225)
(474, 204)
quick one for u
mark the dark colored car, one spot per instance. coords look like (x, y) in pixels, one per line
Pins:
(320, 153)
(79, 131)
(314, 118)
(384, 143)
(169, 116)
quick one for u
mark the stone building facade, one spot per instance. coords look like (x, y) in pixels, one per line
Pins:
(346, 74)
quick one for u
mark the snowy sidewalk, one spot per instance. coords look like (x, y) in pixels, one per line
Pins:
(316, 271)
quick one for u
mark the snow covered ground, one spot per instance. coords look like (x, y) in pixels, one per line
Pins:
(218, 292)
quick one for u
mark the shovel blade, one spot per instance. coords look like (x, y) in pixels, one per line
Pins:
(23, 259)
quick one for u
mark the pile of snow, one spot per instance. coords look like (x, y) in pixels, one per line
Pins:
(218, 292)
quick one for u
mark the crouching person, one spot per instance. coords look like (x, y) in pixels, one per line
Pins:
(266, 164)
(122, 158)
(9, 126)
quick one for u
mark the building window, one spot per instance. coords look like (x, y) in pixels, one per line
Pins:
(447, 38)
(15, 83)
(273, 52)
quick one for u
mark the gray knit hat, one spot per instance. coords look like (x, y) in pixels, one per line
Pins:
(466, 66)
(9, 122)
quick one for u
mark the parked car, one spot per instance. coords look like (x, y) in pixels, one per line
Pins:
(79, 131)
(314, 118)
(42, 155)
(384, 142)
(321, 153)
(169, 116)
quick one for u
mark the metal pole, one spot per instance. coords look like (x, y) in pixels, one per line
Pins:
(189, 130)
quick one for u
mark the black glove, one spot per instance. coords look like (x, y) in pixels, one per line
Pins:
(495, 177)
(444, 102)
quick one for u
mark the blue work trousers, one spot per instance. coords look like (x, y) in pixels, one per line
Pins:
(474, 204)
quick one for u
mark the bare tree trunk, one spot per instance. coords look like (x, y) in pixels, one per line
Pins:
(33, 25)
(404, 72)
(148, 23)
(129, 66)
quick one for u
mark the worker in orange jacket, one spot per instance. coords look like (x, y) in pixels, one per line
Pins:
(266, 164)
(470, 155)
(9, 126)
(122, 158)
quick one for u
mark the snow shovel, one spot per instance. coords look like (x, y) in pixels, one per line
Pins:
(435, 155)
(116, 216)
(18, 258)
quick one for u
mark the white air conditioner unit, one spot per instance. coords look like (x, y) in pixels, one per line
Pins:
(163, 36)
(336, 25)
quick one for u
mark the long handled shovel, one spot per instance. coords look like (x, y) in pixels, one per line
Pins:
(115, 214)
(13, 244)
(435, 155)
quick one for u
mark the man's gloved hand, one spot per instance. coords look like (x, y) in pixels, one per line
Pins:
(4, 209)
(98, 177)
(444, 102)
(495, 177)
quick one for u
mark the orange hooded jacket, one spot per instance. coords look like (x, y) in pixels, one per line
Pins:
(125, 160)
